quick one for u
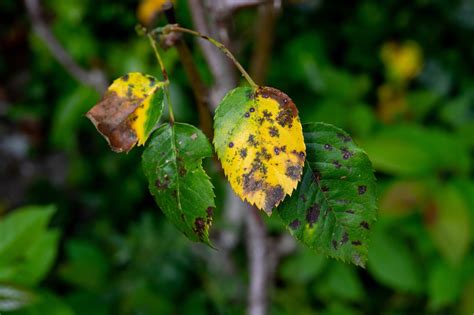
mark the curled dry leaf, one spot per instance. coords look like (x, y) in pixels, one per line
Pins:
(259, 140)
(129, 110)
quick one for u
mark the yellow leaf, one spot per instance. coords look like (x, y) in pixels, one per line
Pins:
(149, 9)
(128, 111)
(259, 140)
(403, 61)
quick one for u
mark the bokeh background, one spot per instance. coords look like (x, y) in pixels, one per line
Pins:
(398, 75)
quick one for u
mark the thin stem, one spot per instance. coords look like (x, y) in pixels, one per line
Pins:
(165, 76)
(176, 28)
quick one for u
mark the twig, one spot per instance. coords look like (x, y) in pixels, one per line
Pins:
(267, 16)
(93, 78)
(176, 28)
(258, 274)
(200, 91)
(220, 67)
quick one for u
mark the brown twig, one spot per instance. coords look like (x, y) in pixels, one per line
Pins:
(200, 91)
(267, 17)
(220, 67)
(93, 78)
(257, 250)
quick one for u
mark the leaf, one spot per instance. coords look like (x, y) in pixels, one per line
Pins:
(172, 162)
(391, 262)
(86, 266)
(47, 304)
(37, 260)
(334, 206)
(149, 9)
(259, 140)
(13, 297)
(410, 150)
(448, 222)
(340, 282)
(20, 229)
(129, 110)
(444, 285)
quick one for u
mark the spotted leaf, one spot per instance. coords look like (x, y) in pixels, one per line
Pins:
(128, 111)
(259, 140)
(334, 206)
(172, 162)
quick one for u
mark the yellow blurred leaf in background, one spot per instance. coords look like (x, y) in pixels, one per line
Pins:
(149, 9)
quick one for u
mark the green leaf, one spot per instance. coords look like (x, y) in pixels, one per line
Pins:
(86, 266)
(391, 262)
(47, 304)
(414, 151)
(37, 260)
(334, 206)
(341, 282)
(13, 297)
(444, 285)
(303, 266)
(172, 162)
(20, 229)
(448, 223)
(259, 140)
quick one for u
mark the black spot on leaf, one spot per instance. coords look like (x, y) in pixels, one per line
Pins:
(273, 131)
(345, 238)
(328, 147)
(295, 224)
(312, 215)
(243, 153)
(356, 243)
(199, 227)
(231, 144)
(273, 197)
(293, 171)
(362, 189)
(365, 225)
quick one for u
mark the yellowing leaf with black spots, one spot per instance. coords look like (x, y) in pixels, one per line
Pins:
(149, 9)
(172, 162)
(259, 140)
(129, 110)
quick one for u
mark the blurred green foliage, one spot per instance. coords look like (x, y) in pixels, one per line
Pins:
(398, 75)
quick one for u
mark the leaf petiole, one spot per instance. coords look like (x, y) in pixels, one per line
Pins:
(165, 76)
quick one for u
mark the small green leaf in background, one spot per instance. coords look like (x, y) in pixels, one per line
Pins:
(303, 266)
(172, 162)
(341, 282)
(47, 304)
(448, 222)
(334, 206)
(86, 266)
(21, 228)
(13, 297)
(444, 285)
(391, 262)
(409, 150)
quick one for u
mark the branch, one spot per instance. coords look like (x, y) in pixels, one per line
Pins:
(94, 78)
(257, 250)
(267, 17)
(221, 68)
